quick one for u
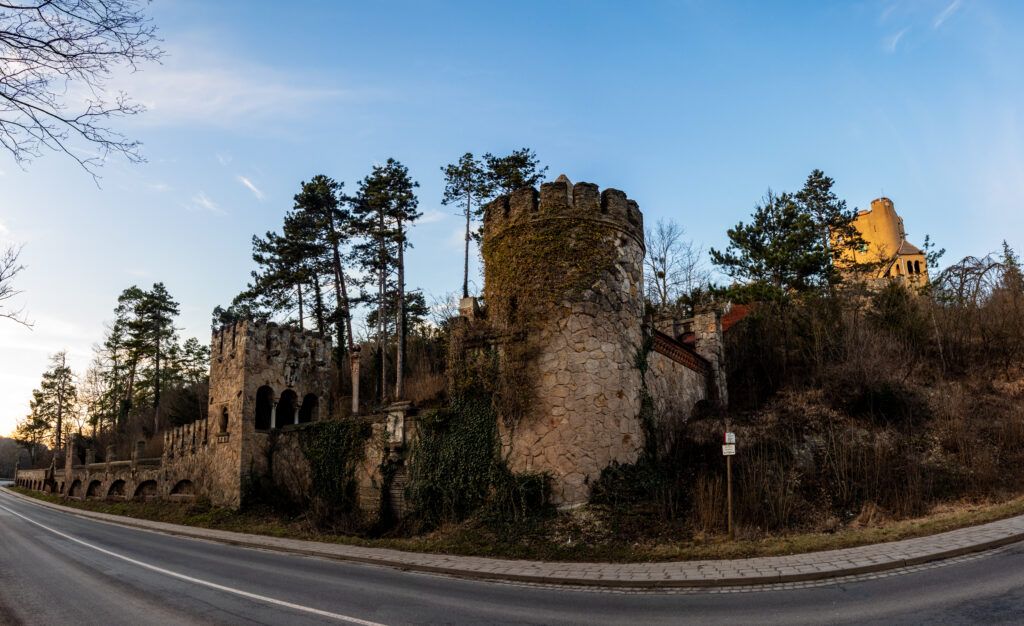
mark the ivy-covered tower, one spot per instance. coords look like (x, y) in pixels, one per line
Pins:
(563, 287)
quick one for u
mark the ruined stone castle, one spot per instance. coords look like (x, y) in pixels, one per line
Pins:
(564, 309)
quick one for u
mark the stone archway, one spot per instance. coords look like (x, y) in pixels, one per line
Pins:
(308, 410)
(147, 490)
(285, 413)
(184, 488)
(264, 408)
(117, 489)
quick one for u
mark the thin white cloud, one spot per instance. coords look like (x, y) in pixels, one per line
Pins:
(197, 86)
(223, 159)
(202, 202)
(456, 240)
(887, 11)
(946, 13)
(894, 41)
(4, 231)
(160, 187)
(432, 216)
(251, 187)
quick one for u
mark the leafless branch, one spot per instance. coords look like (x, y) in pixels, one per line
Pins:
(10, 267)
(56, 58)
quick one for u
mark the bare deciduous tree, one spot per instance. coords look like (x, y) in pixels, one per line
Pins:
(10, 267)
(673, 266)
(56, 59)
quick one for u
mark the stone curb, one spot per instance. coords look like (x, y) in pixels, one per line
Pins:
(819, 565)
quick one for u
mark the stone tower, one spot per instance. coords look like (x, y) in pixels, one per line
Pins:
(885, 244)
(563, 287)
(263, 377)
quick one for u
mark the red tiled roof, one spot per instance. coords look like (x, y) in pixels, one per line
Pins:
(735, 315)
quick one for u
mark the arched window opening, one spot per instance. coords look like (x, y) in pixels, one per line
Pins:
(308, 410)
(147, 490)
(899, 269)
(286, 406)
(917, 267)
(95, 490)
(224, 420)
(264, 407)
(116, 489)
(184, 488)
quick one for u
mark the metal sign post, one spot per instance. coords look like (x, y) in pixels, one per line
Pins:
(729, 451)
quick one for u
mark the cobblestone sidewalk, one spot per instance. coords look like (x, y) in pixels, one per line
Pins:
(709, 573)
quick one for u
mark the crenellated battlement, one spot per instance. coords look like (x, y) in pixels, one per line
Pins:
(186, 440)
(563, 200)
(269, 340)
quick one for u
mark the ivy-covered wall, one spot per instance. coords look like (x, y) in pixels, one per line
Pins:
(563, 285)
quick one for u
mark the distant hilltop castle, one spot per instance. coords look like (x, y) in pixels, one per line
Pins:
(885, 244)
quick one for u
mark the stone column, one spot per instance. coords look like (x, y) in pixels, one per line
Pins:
(137, 451)
(354, 358)
(709, 343)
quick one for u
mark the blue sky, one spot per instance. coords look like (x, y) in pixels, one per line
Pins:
(693, 108)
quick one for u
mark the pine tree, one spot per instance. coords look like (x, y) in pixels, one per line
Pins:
(157, 311)
(1012, 280)
(832, 219)
(514, 171)
(54, 401)
(467, 184)
(383, 208)
(780, 248)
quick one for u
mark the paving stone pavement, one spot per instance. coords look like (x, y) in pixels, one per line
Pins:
(811, 566)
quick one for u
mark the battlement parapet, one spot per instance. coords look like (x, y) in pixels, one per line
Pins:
(187, 439)
(563, 200)
(269, 339)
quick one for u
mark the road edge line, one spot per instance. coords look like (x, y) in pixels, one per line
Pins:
(243, 542)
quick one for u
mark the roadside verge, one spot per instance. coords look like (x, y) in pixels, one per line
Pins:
(707, 573)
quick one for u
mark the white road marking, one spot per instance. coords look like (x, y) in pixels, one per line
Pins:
(199, 581)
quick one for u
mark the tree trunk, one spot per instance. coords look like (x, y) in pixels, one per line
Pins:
(381, 339)
(382, 290)
(340, 290)
(465, 266)
(156, 386)
(400, 321)
(318, 304)
(302, 326)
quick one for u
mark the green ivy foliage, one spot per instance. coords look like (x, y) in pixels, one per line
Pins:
(457, 467)
(333, 449)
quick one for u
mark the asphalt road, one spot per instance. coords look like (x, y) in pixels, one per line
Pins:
(60, 568)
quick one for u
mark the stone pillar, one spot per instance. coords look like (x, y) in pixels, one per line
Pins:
(396, 426)
(137, 451)
(469, 308)
(90, 455)
(354, 358)
(709, 343)
(111, 456)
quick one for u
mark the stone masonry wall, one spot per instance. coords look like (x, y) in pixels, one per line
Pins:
(584, 405)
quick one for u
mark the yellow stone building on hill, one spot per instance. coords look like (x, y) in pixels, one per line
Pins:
(885, 244)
